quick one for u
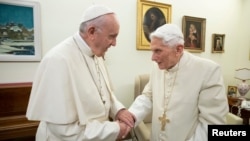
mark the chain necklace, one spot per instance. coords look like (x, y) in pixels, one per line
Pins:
(92, 75)
(164, 119)
(99, 78)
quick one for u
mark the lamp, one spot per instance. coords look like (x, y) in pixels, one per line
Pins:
(243, 74)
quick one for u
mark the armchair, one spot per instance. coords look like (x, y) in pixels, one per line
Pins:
(142, 131)
(233, 119)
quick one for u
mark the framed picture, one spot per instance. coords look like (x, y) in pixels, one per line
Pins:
(20, 30)
(194, 30)
(232, 90)
(150, 15)
(218, 43)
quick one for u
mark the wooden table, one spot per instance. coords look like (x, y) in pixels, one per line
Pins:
(234, 107)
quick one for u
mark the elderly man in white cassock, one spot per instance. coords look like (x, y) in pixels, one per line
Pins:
(185, 93)
(72, 96)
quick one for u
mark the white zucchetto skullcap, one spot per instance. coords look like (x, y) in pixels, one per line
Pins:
(95, 11)
(168, 32)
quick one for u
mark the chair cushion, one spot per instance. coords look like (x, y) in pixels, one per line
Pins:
(233, 119)
(142, 131)
(148, 125)
(148, 118)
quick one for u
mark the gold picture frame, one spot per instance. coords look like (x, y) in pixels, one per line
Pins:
(194, 30)
(147, 12)
(232, 90)
(218, 43)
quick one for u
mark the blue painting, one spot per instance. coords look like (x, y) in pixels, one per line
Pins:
(16, 30)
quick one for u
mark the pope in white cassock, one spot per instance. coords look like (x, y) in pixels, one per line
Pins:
(186, 93)
(71, 94)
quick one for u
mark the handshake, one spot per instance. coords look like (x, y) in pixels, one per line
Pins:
(126, 121)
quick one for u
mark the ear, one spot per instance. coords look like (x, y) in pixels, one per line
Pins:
(179, 49)
(91, 30)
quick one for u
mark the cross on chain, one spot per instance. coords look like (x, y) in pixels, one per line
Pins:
(163, 120)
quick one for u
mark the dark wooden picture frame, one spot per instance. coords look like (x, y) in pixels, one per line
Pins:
(218, 43)
(150, 15)
(194, 30)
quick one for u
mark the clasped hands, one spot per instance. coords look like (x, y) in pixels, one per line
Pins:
(126, 122)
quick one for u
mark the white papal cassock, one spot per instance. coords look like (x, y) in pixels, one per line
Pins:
(197, 99)
(65, 96)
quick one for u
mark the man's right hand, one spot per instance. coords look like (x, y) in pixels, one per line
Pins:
(124, 130)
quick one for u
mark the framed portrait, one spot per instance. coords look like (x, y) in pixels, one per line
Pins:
(218, 43)
(232, 90)
(150, 16)
(194, 30)
(20, 30)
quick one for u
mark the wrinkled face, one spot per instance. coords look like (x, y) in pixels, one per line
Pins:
(165, 57)
(105, 36)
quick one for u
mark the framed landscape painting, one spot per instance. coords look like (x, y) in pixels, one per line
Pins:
(20, 31)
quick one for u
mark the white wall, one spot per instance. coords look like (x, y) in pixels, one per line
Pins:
(60, 19)
(244, 51)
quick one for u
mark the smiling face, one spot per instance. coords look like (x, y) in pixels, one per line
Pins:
(166, 57)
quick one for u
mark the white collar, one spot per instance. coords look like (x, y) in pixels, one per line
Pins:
(83, 45)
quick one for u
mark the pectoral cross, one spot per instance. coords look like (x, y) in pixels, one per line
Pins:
(163, 120)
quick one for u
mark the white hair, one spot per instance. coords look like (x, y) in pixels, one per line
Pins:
(170, 34)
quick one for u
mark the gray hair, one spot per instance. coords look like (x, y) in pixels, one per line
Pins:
(170, 34)
(97, 22)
